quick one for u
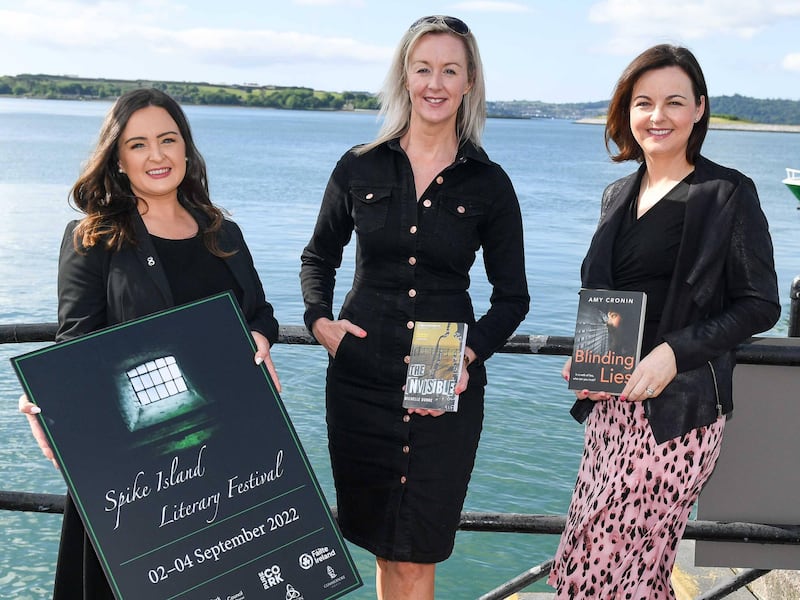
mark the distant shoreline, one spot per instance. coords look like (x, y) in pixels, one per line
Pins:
(717, 124)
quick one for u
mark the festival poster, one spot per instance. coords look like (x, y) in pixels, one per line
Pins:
(183, 462)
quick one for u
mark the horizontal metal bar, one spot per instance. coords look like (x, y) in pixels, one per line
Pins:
(512, 522)
(751, 353)
(520, 582)
(695, 530)
(724, 589)
(497, 522)
(17, 333)
(31, 502)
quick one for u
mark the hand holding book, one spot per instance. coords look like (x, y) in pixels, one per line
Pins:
(461, 385)
(653, 373)
(437, 372)
(608, 339)
(585, 394)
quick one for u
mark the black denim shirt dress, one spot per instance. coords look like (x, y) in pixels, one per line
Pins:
(401, 479)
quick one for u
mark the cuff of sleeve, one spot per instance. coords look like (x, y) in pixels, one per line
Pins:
(270, 332)
(681, 363)
(314, 313)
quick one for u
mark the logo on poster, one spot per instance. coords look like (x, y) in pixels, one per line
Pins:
(270, 577)
(292, 594)
(335, 579)
(306, 561)
(316, 556)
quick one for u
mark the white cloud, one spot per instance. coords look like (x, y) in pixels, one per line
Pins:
(239, 47)
(491, 6)
(791, 62)
(349, 3)
(789, 8)
(111, 26)
(636, 22)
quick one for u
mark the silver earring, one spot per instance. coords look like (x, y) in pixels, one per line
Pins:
(120, 170)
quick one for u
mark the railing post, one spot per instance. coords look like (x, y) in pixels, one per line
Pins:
(794, 308)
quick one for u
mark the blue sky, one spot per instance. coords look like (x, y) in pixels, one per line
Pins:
(549, 50)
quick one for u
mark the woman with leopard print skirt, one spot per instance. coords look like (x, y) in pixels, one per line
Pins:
(691, 234)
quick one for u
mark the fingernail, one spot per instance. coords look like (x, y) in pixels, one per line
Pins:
(259, 360)
(623, 398)
(35, 410)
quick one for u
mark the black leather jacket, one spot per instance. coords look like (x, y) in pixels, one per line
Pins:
(723, 290)
(99, 287)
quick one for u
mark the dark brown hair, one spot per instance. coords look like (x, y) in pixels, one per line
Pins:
(618, 127)
(104, 194)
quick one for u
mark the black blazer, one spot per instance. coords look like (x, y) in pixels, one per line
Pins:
(98, 287)
(723, 290)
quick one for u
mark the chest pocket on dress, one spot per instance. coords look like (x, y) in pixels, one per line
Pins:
(370, 207)
(459, 218)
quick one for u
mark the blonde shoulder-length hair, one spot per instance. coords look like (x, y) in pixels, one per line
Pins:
(396, 104)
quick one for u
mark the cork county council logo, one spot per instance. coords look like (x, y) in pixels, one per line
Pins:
(306, 561)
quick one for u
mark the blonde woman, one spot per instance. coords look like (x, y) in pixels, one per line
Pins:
(422, 199)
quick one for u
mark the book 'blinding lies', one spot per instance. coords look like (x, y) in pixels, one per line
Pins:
(608, 339)
(437, 354)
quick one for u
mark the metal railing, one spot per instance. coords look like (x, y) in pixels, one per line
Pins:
(794, 310)
(748, 353)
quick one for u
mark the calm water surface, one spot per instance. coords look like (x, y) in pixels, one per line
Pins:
(269, 169)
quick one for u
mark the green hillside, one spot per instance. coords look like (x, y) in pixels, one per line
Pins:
(72, 88)
(741, 108)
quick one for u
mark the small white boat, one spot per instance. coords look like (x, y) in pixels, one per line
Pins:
(792, 181)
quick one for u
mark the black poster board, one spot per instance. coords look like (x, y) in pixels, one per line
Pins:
(183, 462)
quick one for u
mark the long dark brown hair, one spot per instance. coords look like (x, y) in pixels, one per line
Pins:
(105, 196)
(618, 126)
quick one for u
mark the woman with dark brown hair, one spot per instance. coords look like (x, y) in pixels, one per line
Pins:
(691, 234)
(150, 239)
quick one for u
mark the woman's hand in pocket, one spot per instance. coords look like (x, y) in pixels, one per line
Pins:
(330, 333)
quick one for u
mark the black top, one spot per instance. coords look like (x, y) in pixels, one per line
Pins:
(645, 253)
(413, 257)
(192, 271)
(98, 288)
(723, 290)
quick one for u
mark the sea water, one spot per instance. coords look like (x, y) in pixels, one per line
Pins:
(269, 168)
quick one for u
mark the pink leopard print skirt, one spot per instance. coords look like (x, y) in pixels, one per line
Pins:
(630, 506)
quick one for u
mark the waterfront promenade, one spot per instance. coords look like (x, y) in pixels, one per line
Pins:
(530, 447)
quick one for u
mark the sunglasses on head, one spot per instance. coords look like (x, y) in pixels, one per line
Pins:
(453, 24)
